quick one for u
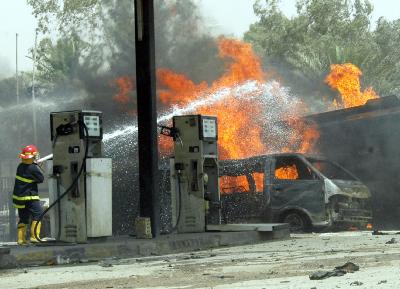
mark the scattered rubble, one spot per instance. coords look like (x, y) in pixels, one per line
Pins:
(349, 267)
(223, 276)
(376, 232)
(356, 283)
(109, 262)
(392, 241)
(319, 275)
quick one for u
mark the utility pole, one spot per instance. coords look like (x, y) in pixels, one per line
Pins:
(33, 91)
(16, 67)
(147, 113)
(18, 113)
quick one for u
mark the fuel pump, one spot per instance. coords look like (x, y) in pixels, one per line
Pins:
(195, 198)
(80, 179)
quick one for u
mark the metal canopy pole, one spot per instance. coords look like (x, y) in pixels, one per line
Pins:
(147, 114)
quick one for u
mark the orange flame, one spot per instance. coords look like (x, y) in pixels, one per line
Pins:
(180, 89)
(240, 184)
(304, 136)
(259, 180)
(287, 173)
(125, 87)
(233, 184)
(346, 79)
(240, 120)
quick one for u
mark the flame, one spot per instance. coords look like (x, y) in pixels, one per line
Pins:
(240, 184)
(346, 79)
(234, 184)
(369, 226)
(247, 125)
(240, 120)
(287, 173)
(259, 180)
(125, 87)
(303, 137)
(180, 89)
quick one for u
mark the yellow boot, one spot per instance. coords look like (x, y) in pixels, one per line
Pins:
(22, 234)
(33, 236)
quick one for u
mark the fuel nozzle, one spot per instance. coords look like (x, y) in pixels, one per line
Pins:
(169, 131)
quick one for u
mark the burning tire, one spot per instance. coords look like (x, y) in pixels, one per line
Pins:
(298, 222)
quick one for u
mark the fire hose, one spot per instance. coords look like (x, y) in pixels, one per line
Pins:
(43, 159)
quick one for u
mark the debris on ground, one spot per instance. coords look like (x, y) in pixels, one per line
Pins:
(319, 275)
(392, 241)
(376, 232)
(382, 282)
(223, 276)
(356, 283)
(349, 267)
(109, 262)
(105, 264)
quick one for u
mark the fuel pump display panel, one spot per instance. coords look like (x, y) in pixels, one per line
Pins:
(93, 125)
(208, 128)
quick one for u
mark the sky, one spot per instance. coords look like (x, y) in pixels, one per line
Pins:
(231, 17)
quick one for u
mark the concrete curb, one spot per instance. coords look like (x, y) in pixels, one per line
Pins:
(128, 247)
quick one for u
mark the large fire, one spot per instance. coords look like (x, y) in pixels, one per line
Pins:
(237, 119)
(346, 79)
(249, 123)
(241, 121)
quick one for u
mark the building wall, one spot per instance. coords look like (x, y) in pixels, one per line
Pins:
(366, 142)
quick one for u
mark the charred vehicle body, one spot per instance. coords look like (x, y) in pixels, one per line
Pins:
(304, 191)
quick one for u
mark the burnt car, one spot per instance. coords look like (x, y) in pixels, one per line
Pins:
(305, 191)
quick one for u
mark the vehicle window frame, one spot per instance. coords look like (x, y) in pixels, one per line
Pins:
(312, 172)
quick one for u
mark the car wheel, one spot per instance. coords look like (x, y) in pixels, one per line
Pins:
(297, 223)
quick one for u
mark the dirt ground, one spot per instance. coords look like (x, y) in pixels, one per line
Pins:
(279, 264)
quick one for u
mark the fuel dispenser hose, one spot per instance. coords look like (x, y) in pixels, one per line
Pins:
(81, 123)
(178, 219)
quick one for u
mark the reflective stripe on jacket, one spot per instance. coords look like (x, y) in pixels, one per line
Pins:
(25, 188)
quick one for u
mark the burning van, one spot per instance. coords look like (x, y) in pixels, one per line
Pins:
(304, 191)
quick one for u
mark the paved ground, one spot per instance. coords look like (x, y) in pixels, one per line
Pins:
(279, 264)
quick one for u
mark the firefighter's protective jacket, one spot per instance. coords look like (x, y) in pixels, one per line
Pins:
(26, 188)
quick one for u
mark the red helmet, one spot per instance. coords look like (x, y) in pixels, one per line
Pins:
(28, 152)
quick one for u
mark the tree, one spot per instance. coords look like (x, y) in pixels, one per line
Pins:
(107, 27)
(325, 32)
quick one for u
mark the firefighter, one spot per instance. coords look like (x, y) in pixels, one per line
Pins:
(25, 195)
